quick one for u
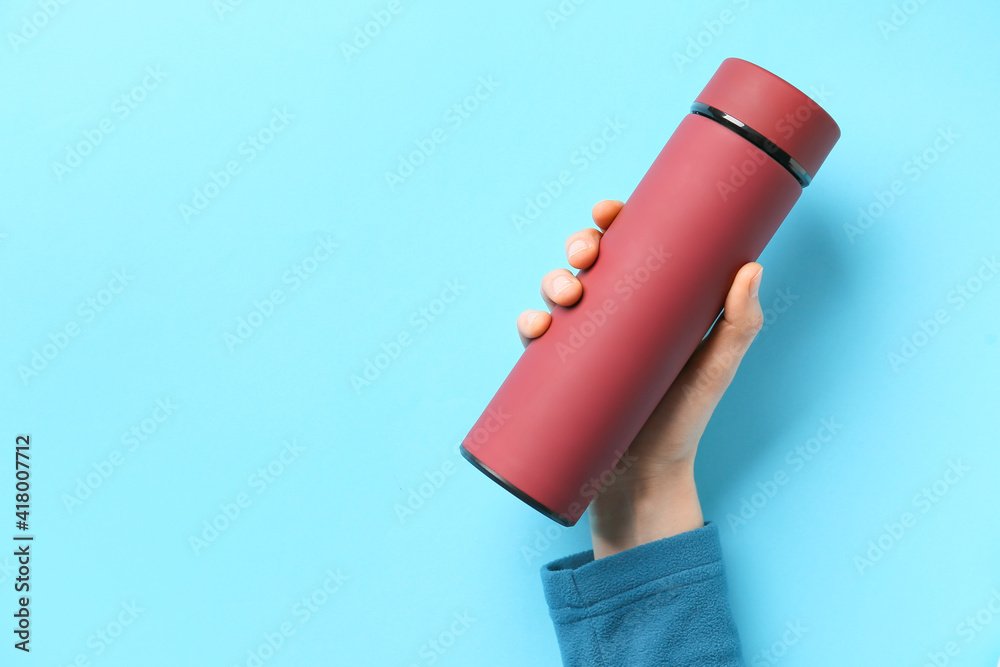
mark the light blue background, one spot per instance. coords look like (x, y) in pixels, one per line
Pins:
(470, 548)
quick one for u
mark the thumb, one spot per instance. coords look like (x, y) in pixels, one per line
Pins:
(710, 370)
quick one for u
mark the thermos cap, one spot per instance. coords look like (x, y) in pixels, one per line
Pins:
(768, 105)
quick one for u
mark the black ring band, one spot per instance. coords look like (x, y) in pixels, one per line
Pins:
(755, 138)
(521, 495)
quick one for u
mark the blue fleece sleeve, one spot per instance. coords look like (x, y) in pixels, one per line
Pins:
(662, 603)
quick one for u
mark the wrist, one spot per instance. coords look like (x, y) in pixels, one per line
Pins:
(639, 510)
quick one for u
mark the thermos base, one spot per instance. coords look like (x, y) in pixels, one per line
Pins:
(521, 495)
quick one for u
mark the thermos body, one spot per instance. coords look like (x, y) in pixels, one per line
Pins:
(712, 199)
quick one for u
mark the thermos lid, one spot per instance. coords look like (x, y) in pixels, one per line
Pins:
(774, 108)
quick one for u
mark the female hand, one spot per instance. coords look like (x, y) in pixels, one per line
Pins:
(656, 496)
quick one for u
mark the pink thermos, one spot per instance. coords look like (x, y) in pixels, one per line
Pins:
(713, 198)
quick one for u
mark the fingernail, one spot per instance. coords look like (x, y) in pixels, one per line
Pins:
(561, 283)
(576, 246)
(531, 318)
(755, 283)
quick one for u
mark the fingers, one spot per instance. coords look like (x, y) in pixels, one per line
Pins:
(712, 367)
(604, 212)
(532, 324)
(560, 287)
(581, 248)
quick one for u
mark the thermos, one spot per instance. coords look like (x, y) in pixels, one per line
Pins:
(713, 198)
